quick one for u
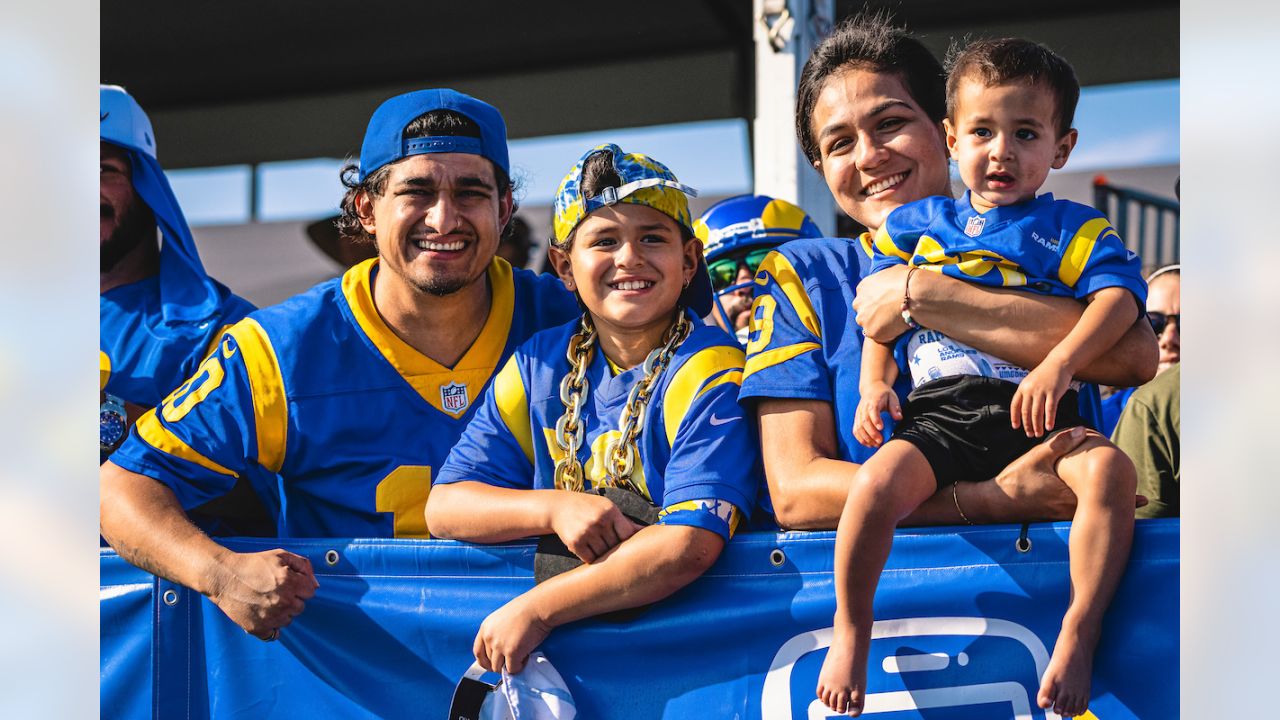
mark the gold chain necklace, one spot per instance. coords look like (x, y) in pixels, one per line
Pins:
(620, 454)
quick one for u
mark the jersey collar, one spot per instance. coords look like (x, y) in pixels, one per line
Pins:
(484, 353)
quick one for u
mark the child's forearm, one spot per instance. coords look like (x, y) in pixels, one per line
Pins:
(1107, 316)
(877, 364)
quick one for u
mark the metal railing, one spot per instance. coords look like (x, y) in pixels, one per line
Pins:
(1148, 224)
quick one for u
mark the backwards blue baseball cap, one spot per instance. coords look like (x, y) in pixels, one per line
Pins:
(384, 141)
(187, 293)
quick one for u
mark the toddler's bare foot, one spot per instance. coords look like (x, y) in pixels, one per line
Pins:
(843, 679)
(1065, 686)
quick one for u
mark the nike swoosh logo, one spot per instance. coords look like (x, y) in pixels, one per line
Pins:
(104, 116)
(721, 421)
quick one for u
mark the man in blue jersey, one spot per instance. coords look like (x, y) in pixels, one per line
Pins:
(339, 404)
(158, 311)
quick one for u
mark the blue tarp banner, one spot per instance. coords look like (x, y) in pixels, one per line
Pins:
(965, 625)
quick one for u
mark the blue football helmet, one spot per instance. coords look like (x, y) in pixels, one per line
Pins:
(740, 231)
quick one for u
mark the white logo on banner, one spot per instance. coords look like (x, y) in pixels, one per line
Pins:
(775, 699)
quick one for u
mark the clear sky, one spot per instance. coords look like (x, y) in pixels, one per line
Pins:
(1127, 125)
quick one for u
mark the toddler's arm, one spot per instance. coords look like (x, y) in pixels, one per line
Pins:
(1109, 313)
(875, 386)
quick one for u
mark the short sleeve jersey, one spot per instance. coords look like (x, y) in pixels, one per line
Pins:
(1054, 247)
(698, 454)
(139, 359)
(337, 422)
(804, 342)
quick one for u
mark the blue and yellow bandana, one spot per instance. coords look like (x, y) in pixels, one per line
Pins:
(645, 181)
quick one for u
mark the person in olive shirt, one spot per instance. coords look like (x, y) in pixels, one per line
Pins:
(1148, 433)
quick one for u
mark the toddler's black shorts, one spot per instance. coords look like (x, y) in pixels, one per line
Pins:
(961, 424)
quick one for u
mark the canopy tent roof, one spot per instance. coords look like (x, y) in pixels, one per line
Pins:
(248, 82)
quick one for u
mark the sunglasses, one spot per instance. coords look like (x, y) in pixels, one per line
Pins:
(725, 270)
(1159, 321)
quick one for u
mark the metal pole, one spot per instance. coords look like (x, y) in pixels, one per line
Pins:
(785, 32)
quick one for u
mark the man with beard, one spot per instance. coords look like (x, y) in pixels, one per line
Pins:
(337, 405)
(158, 310)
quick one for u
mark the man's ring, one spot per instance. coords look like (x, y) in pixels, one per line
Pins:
(273, 635)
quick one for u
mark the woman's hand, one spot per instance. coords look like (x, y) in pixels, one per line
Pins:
(590, 525)
(878, 303)
(508, 635)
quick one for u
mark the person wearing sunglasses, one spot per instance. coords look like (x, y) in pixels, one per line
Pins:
(1164, 308)
(1148, 421)
(737, 234)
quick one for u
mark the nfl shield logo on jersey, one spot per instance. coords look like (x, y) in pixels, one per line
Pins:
(973, 228)
(453, 398)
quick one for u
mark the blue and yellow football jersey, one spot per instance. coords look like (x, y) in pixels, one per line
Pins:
(337, 423)
(1053, 247)
(804, 343)
(698, 454)
(141, 359)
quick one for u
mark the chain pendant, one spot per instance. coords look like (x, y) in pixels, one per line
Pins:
(620, 454)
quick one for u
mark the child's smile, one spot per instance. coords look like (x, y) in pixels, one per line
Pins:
(629, 264)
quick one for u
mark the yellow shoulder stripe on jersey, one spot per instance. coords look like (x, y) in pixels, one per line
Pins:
(931, 250)
(266, 384)
(885, 245)
(104, 370)
(1080, 248)
(732, 376)
(427, 376)
(158, 436)
(684, 387)
(777, 266)
(513, 405)
(769, 358)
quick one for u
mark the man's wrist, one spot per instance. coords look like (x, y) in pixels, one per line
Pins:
(217, 573)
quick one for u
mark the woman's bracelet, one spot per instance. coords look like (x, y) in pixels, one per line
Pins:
(955, 497)
(906, 300)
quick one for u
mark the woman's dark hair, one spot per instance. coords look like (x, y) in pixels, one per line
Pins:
(1008, 60)
(868, 41)
(434, 123)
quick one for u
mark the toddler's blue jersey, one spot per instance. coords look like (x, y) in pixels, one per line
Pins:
(804, 343)
(337, 423)
(1053, 247)
(698, 454)
(141, 362)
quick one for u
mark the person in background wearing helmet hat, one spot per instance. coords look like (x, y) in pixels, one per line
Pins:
(737, 233)
(158, 311)
(646, 406)
(338, 405)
